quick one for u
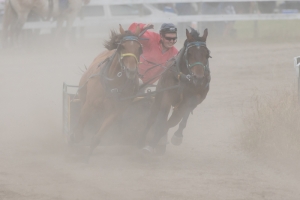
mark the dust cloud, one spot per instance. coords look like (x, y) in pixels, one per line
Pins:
(214, 161)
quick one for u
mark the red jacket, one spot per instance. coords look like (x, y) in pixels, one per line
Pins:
(152, 54)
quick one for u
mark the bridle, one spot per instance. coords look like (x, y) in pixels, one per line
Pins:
(189, 66)
(118, 91)
(123, 67)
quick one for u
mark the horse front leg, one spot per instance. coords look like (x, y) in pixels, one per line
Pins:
(178, 136)
(104, 127)
(150, 121)
(160, 125)
(177, 115)
(85, 113)
(181, 115)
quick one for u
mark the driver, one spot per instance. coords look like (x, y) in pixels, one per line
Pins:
(157, 50)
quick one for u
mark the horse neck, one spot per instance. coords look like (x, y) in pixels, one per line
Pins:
(182, 63)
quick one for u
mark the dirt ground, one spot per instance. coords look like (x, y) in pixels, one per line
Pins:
(210, 164)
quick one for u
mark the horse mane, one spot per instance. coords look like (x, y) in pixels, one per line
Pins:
(115, 38)
(196, 35)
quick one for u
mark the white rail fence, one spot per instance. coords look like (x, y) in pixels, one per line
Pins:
(185, 18)
(119, 2)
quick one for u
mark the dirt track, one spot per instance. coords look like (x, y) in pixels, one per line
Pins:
(210, 164)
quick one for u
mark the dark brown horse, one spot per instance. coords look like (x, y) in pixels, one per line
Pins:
(110, 79)
(184, 86)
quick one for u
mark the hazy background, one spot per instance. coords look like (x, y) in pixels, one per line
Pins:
(242, 142)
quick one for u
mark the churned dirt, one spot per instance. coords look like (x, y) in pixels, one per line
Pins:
(212, 162)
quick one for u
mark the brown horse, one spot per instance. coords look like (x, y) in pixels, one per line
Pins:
(110, 79)
(184, 86)
(17, 12)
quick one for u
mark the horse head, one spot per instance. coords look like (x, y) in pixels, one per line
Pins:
(130, 50)
(196, 55)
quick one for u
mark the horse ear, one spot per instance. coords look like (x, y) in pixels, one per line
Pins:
(188, 35)
(205, 34)
(137, 30)
(121, 29)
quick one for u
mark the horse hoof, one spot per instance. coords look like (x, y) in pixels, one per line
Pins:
(176, 140)
(148, 150)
